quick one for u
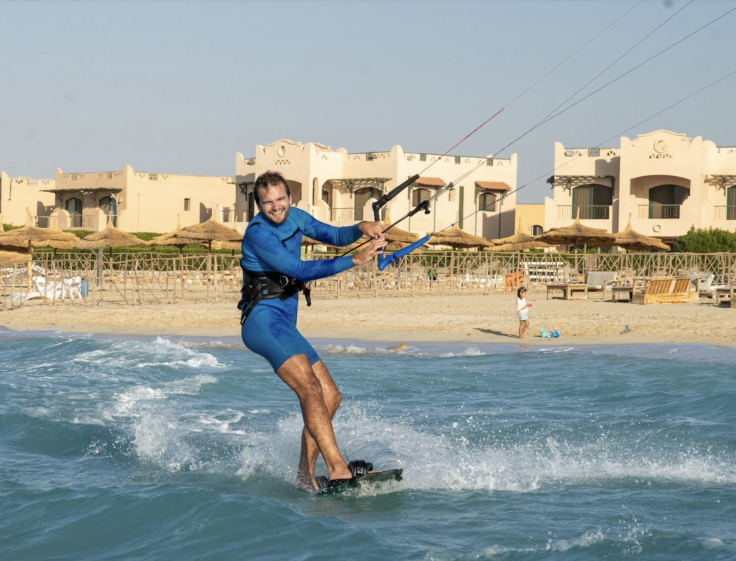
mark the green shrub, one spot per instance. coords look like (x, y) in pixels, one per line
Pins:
(712, 240)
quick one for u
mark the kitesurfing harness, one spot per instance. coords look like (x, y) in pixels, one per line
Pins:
(266, 285)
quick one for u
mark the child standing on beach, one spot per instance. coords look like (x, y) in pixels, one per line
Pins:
(522, 311)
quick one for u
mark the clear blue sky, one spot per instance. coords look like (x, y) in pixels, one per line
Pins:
(180, 87)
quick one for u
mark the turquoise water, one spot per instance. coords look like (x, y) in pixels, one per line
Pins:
(155, 448)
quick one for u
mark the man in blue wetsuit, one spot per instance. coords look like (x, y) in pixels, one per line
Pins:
(273, 275)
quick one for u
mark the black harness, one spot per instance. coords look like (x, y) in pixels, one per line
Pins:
(267, 285)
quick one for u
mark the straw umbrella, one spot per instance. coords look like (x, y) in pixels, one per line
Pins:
(518, 242)
(172, 239)
(630, 239)
(109, 237)
(26, 236)
(457, 238)
(210, 231)
(578, 234)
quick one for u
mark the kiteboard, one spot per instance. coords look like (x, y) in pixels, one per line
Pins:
(363, 479)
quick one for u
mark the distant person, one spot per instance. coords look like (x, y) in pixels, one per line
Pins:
(522, 311)
(432, 272)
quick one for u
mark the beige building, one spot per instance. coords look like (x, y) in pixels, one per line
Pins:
(19, 193)
(665, 181)
(136, 201)
(339, 187)
(530, 218)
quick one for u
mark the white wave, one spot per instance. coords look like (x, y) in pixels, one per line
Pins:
(556, 350)
(586, 540)
(141, 354)
(470, 351)
(448, 462)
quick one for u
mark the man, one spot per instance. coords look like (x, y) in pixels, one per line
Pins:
(273, 275)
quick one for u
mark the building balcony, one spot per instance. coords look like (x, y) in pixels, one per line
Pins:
(659, 212)
(724, 212)
(345, 215)
(588, 212)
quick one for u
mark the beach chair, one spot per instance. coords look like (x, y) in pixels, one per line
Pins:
(665, 291)
(600, 281)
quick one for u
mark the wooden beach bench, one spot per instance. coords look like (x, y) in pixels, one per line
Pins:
(725, 293)
(665, 291)
(567, 289)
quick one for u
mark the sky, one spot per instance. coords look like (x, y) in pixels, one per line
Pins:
(180, 87)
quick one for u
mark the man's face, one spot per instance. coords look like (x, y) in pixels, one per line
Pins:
(275, 203)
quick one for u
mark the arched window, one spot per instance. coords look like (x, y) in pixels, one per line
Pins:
(665, 201)
(731, 202)
(74, 208)
(419, 196)
(487, 202)
(537, 230)
(110, 207)
(361, 197)
(593, 202)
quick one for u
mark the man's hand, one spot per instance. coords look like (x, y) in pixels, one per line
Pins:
(371, 229)
(374, 248)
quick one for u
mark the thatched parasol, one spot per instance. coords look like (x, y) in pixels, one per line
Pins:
(518, 242)
(170, 239)
(630, 239)
(210, 231)
(456, 238)
(13, 257)
(577, 234)
(30, 236)
(109, 237)
(396, 237)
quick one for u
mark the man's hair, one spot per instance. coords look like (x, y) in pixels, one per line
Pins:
(518, 292)
(266, 180)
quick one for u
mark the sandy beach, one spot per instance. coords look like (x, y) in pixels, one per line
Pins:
(472, 318)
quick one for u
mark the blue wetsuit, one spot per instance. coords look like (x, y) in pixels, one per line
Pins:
(270, 329)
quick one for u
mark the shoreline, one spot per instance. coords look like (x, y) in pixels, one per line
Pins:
(436, 319)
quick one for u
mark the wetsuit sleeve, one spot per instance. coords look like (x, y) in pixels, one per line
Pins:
(268, 247)
(329, 234)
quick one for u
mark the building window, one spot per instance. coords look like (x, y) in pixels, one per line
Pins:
(537, 230)
(665, 201)
(419, 196)
(110, 207)
(731, 203)
(187, 204)
(487, 202)
(326, 196)
(593, 202)
(251, 206)
(74, 208)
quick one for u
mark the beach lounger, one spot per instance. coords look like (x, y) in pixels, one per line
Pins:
(665, 291)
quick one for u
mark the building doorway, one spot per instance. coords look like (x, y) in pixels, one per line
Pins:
(665, 201)
(109, 206)
(361, 198)
(74, 208)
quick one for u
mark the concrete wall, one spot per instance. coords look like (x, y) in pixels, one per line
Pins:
(528, 215)
(19, 193)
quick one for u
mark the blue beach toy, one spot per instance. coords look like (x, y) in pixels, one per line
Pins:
(544, 334)
(554, 334)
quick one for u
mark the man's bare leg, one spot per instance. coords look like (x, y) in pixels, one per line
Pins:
(298, 374)
(332, 399)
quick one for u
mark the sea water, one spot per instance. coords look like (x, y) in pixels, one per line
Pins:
(161, 448)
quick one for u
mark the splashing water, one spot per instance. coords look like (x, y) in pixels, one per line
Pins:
(555, 453)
